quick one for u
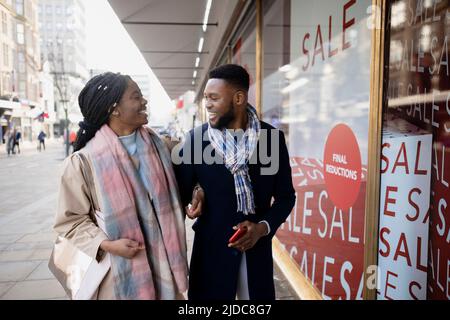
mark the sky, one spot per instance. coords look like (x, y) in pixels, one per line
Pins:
(110, 48)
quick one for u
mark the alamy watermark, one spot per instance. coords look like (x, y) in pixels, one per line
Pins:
(267, 152)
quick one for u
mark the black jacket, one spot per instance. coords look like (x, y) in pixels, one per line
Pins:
(214, 267)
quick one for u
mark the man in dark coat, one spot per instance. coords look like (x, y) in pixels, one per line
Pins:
(242, 164)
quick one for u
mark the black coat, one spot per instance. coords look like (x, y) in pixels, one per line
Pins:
(214, 267)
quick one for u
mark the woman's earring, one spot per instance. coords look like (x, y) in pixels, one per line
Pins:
(115, 112)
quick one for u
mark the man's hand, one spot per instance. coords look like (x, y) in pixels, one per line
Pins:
(249, 239)
(194, 210)
(123, 247)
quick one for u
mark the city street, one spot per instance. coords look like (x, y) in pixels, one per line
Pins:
(29, 184)
(28, 197)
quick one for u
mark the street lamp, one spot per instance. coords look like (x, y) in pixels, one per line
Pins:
(66, 124)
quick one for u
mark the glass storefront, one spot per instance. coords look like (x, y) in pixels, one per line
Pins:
(316, 87)
(277, 46)
(414, 249)
(243, 50)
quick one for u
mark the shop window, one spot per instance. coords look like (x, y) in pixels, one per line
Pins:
(276, 33)
(19, 7)
(243, 48)
(22, 68)
(4, 23)
(414, 234)
(317, 58)
(5, 55)
(69, 10)
(22, 88)
(20, 34)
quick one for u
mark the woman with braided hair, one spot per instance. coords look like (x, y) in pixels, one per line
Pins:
(133, 191)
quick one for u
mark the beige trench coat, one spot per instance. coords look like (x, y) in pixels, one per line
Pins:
(73, 220)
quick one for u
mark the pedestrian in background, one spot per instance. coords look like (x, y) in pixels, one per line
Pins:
(136, 195)
(17, 137)
(9, 141)
(41, 139)
(72, 139)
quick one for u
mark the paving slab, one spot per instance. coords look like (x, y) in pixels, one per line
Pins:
(16, 271)
(5, 286)
(38, 237)
(9, 238)
(41, 272)
(27, 246)
(35, 290)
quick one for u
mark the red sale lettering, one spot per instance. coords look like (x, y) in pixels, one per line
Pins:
(318, 50)
(404, 253)
(316, 224)
(415, 149)
(403, 218)
(305, 52)
(398, 163)
(389, 284)
(384, 159)
(384, 231)
(389, 200)
(416, 166)
(419, 266)
(402, 249)
(318, 41)
(411, 285)
(413, 204)
(347, 24)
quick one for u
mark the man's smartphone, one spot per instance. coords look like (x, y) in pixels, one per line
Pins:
(237, 235)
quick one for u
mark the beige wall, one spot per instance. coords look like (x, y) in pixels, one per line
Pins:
(7, 47)
(20, 54)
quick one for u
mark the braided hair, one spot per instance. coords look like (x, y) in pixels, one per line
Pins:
(96, 100)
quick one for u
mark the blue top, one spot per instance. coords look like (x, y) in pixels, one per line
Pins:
(129, 143)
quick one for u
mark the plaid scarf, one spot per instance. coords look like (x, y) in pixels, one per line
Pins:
(159, 271)
(236, 153)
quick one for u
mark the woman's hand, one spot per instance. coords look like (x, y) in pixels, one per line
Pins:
(123, 247)
(194, 210)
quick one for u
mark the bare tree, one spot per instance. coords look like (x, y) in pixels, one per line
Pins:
(55, 55)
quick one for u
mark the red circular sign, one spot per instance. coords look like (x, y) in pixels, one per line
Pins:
(342, 166)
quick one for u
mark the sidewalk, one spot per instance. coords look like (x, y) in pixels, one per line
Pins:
(27, 147)
(28, 198)
(283, 290)
(28, 203)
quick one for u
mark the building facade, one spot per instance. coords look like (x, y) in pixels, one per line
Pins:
(20, 65)
(63, 45)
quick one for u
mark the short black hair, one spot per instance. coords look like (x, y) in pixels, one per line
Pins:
(234, 74)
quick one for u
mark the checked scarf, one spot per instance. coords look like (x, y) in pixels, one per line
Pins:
(236, 153)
